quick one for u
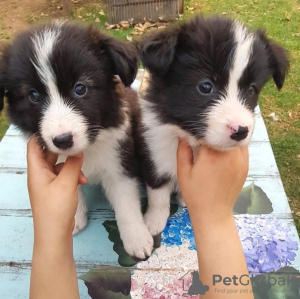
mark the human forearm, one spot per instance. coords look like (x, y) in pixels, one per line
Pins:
(220, 255)
(53, 273)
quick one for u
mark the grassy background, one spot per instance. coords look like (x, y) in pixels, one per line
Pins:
(281, 19)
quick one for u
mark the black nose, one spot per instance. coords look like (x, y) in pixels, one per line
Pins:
(63, 141)
(241, 134)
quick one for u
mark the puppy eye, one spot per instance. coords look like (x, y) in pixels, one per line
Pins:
(34, 96)
(252, 90)
(80, 90)
(206, 88)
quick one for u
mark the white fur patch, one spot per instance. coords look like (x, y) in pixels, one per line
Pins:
(231, 111)
(43, 45)
(59, 117)
(162, 141)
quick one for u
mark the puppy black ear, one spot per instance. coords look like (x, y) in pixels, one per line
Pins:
(4, 63)
(278, 60)
(157, 51)
(124, 58)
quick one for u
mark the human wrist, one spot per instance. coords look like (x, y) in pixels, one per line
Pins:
(204, 221)
(53, 243)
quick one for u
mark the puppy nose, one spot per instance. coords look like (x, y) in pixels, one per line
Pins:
(240, 133)
(63, 141)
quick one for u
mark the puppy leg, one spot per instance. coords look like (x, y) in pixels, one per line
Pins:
(81, 213)
(158, 210)
(123, 194)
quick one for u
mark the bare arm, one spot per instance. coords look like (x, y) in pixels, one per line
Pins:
(53, 199)
(210, 187)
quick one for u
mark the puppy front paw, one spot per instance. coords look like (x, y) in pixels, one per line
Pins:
(156, 219)
(137, 241)
(80, 221)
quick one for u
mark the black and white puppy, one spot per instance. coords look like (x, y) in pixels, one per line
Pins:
(205, 79)
(60, 83)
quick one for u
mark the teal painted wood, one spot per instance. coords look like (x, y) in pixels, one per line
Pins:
(92, 248)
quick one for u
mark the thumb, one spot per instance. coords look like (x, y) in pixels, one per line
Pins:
(71, 170)
(184, 159)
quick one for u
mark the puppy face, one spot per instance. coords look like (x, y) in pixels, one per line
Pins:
(206, 76)
(60, 84)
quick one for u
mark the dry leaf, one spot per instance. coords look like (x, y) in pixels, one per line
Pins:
(274, 116)
(111, 26)
(129, 38)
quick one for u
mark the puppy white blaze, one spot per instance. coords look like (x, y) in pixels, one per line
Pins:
(231, 112)
(58, 117)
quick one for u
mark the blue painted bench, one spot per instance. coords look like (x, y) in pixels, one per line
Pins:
(263, 217)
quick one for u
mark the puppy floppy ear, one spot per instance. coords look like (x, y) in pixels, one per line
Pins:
(278, 60)
(157, 51)
(4, 63)
(123, 57)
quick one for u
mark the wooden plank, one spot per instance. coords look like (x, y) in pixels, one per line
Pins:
(12, 153)
(14, 196)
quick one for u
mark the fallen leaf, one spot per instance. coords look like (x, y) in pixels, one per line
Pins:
(129, 38)
(124, 24)
(111, 26)
(224, 13)
(273, 116)
(140, 29)
(97, 20)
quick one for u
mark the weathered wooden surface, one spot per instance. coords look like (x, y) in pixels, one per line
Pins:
(92, 247)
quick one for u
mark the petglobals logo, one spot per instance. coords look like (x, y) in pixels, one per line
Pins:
(192, 285)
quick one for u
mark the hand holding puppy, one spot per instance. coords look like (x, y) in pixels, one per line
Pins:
(52, 191)
(211, 185)
(53, 198)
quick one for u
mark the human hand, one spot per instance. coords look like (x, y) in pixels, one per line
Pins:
(53, 192)
(210, 186)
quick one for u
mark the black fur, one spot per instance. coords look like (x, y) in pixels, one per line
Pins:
(80, 52)
(181, 57)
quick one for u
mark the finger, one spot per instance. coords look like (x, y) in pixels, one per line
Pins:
(245, 152)
(35, 156)
(82, 180)
(184, 159)
(51, 158)
(71, 170)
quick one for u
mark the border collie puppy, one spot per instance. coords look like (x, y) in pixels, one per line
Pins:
(205, 79)
(61, 86)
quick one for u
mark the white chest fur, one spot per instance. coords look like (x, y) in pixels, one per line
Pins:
(162, 141)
